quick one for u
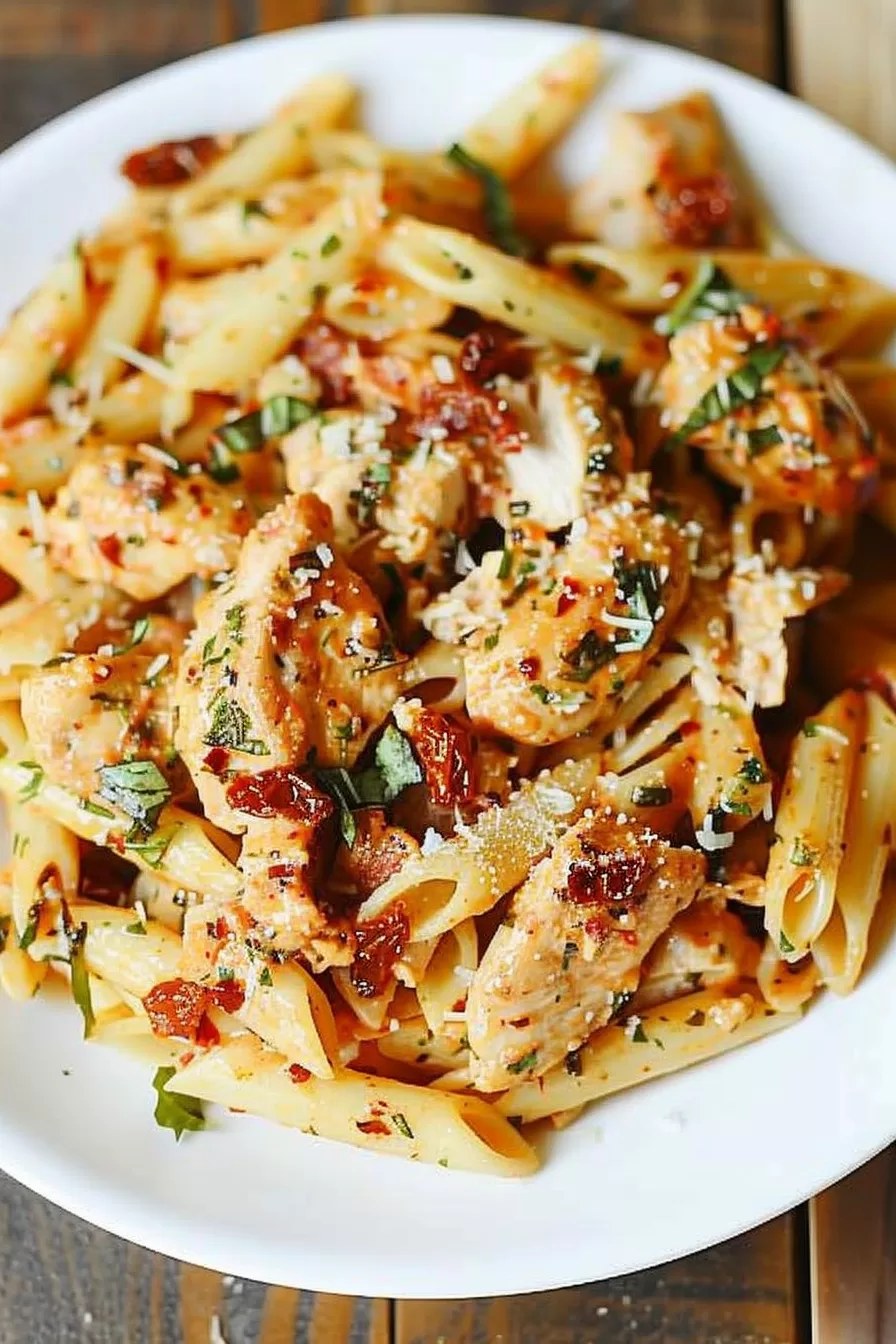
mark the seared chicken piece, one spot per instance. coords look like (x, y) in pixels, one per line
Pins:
(94, 711)
(771, 420)
(290, 659)
(406, 499)
(707, 944)
(577, 444)
(664, 181)
(761, 604)
(570, 949)
(127, 518)
(571, 627)
(291, 662)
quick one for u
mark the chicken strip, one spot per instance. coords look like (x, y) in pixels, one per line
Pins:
(129, 517)
(569, 953)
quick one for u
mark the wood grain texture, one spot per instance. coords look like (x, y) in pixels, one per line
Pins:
(737, 1293)
(853, 1252)
(844, 61)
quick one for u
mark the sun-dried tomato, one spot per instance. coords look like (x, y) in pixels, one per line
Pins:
(176, 1008)
(696, 211)
(378, 852)
(379, 944)
(602, 878)
(171, 162)
(281, 792)
(492, 349)
(445, 750)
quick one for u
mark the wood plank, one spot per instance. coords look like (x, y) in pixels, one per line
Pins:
(738, 1293)
(844, 62)
(42, 27)
(65, 1280)
(853, 1250)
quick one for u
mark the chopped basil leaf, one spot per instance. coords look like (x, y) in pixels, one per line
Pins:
(569, 951)
(645, 795)
(398, 767)
(496, 204)
(785, 944)
(524, 1064)
(283, 413)
(758, 440)
(253, 207)
(29, 933)
(32, 788)
(137, 787)
(490, 641)
(710, 294)
(233, 622)
(506, 565)
(95, 809)
(587, 657)
(138, 928)
(402, 1125)
(567, 699)
(244, 435)
(330, 245)
(639, 1035)
(265, 978)
(138, 634)
(221, 466)
(609, 365)
(174, 1111)
(620, 1001)
(75, 938)
(734, 391)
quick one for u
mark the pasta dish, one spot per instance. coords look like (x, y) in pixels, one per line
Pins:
(447, 652)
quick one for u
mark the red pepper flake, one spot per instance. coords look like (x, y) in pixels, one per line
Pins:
(373, 1127)
(216, 760)
(606, 878)
(176, 1008)
(570, 590)
(445, 751)
(298, 1073)
(110, 549)
(379, 944)
(529, 667)
(283, 872)
(170, 162)
(281, 792)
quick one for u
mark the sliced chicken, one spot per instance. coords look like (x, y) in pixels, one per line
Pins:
(577, 625)
(569, 952)
(130, 518)
(664, 182)
(291, 659)
(770, 419)
(407, 499)
(92, 711)
(761, 604)
(577, 445)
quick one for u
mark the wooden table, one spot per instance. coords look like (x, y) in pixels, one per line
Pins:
(826, 1272)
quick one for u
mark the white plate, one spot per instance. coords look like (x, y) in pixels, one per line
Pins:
(644, 1177)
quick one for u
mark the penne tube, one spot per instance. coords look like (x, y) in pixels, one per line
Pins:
(839, 950)
(242, 343)
(384, 305)
(123, 320)
(363, 1110)
(124, 950)
(474, 869)
(832, 306)
(805, 860)
(23, 538)
(660, 1040)
(277, 149)
(446, 981)
(141, 407)
(37, 454)
(520, 127)
(474, 275)
(41, 336)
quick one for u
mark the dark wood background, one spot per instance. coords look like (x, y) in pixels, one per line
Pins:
(826, 1272)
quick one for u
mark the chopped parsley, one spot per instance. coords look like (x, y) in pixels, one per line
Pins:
(505, 568)
(75, 939)
(249, 433)
(564, 699)
(230, 727)
(620, 1001)
(265, 978)
(639, 1034)
(710, 294)
(785, 945)
(33, 786)
(174, 1111)
(803, 855)
(138, 788)
(29, 933)
(760, 440)
(524, 1064)
(753, 771)
(402, 1125)
(138, 634)
(570, 950)
(94, 808)
(251, 208)
(491, 641)
(330, 245)
(233, 622)
(496, 203)
(732, 392)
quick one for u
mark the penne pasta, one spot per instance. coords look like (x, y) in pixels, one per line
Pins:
(41, 337)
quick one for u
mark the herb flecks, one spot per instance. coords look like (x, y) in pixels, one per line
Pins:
(732, 392)
(496, 203)
(138, 788)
